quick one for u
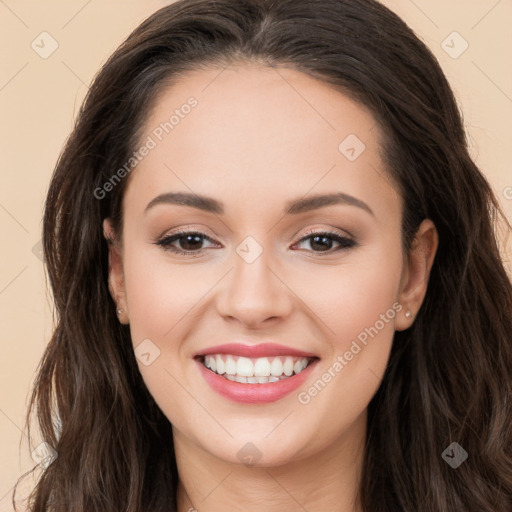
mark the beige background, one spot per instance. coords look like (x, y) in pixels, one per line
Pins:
(38, 101)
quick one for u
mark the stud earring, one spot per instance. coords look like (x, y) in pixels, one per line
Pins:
(120, 311)
(408, 313)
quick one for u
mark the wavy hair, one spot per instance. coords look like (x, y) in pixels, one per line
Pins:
(449, 377)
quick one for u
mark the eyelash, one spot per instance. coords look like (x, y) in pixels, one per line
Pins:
(165, 243)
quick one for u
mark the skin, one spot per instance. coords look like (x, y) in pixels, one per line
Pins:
(258, 138)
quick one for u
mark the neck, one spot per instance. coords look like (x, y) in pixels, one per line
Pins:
(329, 480)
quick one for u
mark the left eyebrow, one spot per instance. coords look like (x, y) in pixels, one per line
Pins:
(319, 201)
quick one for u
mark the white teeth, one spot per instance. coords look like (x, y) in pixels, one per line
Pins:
(221, 366)
(211, 363)
(244, 367)
(261, 370)
(276, 367)
(262, 367)
(297, 367)
(288, 366)
(254, 380)
(230, 366)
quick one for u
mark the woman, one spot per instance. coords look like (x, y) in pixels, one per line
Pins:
(276, 275)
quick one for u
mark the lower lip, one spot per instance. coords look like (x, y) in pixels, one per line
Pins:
(254, 393)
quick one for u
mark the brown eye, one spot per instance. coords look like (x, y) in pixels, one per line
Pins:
(323, 241)
(188, 242)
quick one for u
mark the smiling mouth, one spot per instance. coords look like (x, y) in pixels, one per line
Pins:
(260, 370)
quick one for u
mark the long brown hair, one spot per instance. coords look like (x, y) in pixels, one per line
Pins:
(449, 377)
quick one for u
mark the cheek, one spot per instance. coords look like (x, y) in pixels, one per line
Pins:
(162, 298)
(358, 310)
(161, 294)
(352, 297)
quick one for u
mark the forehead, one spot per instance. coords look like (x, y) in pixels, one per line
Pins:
(270, 105)
(273, 131)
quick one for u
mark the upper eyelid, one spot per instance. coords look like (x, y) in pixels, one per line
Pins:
(203, 230)
(183, 232)
(330, 231)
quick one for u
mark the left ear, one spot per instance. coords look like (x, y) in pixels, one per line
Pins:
(414, 283)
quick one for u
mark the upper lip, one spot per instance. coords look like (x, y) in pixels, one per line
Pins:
(254, 351)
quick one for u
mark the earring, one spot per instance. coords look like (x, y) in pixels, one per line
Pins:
(408, 313)
(120, 311)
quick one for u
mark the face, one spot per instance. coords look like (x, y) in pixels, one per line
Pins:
(251, 256)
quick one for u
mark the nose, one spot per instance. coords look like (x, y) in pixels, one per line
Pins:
(254, 294)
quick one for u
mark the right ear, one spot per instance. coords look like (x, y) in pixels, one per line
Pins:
(116, 284)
